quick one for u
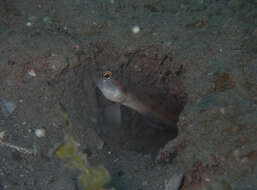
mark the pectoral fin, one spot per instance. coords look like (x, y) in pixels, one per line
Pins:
(156, 123)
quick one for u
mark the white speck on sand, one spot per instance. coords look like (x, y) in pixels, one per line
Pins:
(40, 133)
(135, 29)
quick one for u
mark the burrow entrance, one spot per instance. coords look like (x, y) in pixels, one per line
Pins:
(148, 70)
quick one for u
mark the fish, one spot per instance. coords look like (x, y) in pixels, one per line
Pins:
(175, 182)
(113, 90)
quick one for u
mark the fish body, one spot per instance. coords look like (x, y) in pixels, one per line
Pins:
(113, 90)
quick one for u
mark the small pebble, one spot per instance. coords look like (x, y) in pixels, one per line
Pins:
(244, 159)
(40, 133)
(135, 29)
(28, 24)
(207, 179)
(7, 107)
(222, 110)
(32, 73)
(145, 182)
(2, 133)
(236, 153)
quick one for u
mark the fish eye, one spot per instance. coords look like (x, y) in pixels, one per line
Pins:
(107, 74)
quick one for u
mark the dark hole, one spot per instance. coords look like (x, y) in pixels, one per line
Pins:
(136, 133)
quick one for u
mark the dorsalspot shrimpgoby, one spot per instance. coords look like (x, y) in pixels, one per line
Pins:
(113, 90)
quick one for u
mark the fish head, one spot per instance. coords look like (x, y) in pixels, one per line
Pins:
(109, 86)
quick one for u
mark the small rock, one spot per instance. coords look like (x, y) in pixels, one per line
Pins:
(135, 29)
(7, 107)
(40, 133)
(100, 145)
(28, 24)
(2, 133)
(145, 182)
(137, 68)
(222, 110)
(32, 73)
